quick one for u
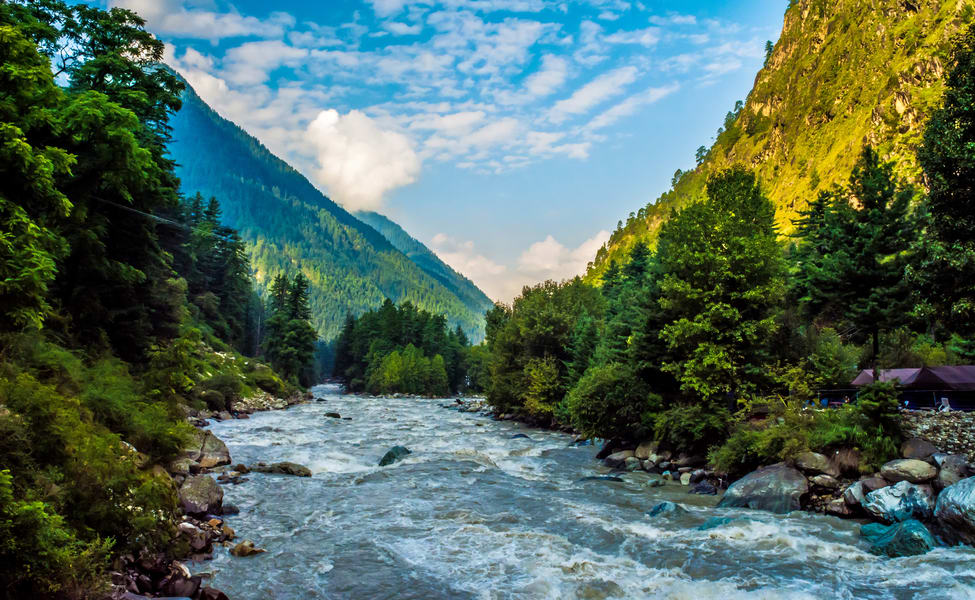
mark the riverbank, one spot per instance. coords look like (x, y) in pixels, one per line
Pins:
(904, 500)
(201, 500)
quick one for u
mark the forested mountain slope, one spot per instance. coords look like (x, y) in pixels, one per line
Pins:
(289, 225)
(843, 74)
(462, 287)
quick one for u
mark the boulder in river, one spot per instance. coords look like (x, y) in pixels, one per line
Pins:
(703, 488)
(617, 460)
(666, 508)
(839, 508)
(333, 415)
(908, 538)
(200, 494)
(900, 502)
(520, 436)
(854, 493)
(908, 469)
(632, 464)
(777, 488)
(394, 454)
(246, 548)
(956, 510)
(825, 481)
(918, 448)
(608, 448)
(284, 468)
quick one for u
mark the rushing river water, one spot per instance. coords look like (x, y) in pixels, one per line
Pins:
(473, 513)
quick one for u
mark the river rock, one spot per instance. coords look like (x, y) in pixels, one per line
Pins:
(600, 478)
(954, 468)
(632, 464)
(667, 476)
(685, 479)
(777, 488)
(246, 548)
(854, 493)
(908, 538)
(956, 509)
(200, 494)
(519, 436)
(284, 468)
(900, 502)
(617, 460)
(872, 484)
(839, 508)
(394, 454)
(197, 538)
(654, 482)
(918, 449)
(333, 415)
(703, 488)
(825, 481)
(684, 460)
(206, 449)
(209, 593)
(698, 475)
(665, 465)
(611, 446)
(644, 450)
(666, 508)
(814, 462)
(908, 469)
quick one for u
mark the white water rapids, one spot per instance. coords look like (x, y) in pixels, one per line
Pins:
(475, 514)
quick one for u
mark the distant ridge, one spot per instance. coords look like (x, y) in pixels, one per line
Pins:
(289, 225)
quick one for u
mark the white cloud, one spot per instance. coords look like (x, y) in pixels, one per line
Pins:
(631, 105)
(493, 278)
(549, 259)
(643, 37)
(602, 88)
(176, 18)
(251, 63)
(358, 162)
(398, 28)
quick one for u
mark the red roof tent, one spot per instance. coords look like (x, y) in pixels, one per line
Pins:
(961, 378)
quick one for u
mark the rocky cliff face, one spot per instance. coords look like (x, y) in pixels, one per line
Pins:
(843, 74)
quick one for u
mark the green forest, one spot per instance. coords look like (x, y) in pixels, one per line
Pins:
(682, 342)
(289, 225)
(123, 303)
(402, 349)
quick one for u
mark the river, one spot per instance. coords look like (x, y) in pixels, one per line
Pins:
(473, 513)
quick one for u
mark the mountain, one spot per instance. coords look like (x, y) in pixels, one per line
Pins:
(430, 263)
(288, 225)
(843, 74)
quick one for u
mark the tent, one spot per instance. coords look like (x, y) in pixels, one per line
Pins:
(958, 378)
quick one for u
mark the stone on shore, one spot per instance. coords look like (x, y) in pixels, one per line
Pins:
(815, 463)
(956, 510)
(394, 454)
(954, 468)
(854, 494)
(200, 495)
(685, 478)
(825, 481)
(900, 502)
(284, 468)
(632, 464)
(908, 538)
(617, 460)
(918, 449)
(206, 449)
(703, 488)
(908, 469)
(644, 450)
(777, 488)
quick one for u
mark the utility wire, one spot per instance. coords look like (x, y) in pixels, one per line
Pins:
(157, 218)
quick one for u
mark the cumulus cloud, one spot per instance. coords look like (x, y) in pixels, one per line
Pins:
(174, 17)
(357, 161)
(550, 259)
(593, 93)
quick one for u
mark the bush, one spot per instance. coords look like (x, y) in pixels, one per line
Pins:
(610, 402)
(263, 378)
(691, 428)
(220, 391)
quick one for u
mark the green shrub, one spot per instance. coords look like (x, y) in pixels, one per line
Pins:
(263, 378)
(691, 427)
(220, 391)
(609, 402)
(40, 555)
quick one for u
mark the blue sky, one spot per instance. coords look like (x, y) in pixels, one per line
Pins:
(508, 135)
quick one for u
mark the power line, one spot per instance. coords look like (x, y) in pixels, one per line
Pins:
(157, 218)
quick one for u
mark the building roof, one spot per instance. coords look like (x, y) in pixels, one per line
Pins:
(960, 378)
